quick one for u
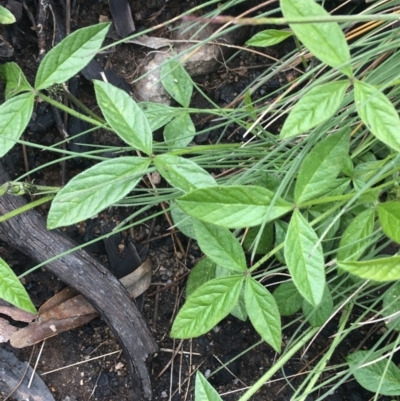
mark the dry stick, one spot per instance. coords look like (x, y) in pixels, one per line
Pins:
(36, 364)
(23, 375)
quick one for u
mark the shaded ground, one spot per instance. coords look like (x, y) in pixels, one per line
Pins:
(98, 370)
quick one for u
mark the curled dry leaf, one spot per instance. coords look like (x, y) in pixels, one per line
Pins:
(68, 310)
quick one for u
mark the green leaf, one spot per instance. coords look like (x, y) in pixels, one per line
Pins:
(203, 390)
(356, 238)
(288, 298)
(266, 240)
(11, 289)
(325, 40)
(305, 259)
(15, 80)
(203, 272)
(158, 114)
(384, 269)
(389, 217)
(207, 306)
(378, 114)
(179, 132)
(182, 173)
(220, 245)
(233, 206)
(177, 82)
(315, 107)
(15, 115)
(6, 17)
(239, 310)
(263, 313)
(317, 316)
(71, 55)
(391, 306)
(321, 166)
(124, 116)
(95, 189)
(281, 228)
(269, 37)
(182, 221)
(376, 375)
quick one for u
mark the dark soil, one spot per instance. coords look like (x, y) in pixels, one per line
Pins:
(86, 363)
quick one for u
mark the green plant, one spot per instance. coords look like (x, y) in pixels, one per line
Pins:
(318, 206)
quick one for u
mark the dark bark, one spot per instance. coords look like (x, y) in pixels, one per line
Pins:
(28, 233)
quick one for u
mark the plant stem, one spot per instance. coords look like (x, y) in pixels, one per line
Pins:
(70, 111)
(278, 364)
(26, 208)
(319, 369)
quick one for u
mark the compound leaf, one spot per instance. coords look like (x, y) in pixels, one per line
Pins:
(378, 114)
(305, 259)
(207, 306)
(263, 313)
(71, 55)
(95, 189)
(11, 289)
(124, 116)
(315, 107)
(233, 206)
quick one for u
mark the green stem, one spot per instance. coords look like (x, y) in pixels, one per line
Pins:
(25, 208)
(319, 369)
(70, 111)
(278, 364)
(78, 103)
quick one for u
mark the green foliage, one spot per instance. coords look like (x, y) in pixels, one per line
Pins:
(11, 289)
(204, 391)
(219, 244)
(263, 313)
(70, 56)
(305, 259)
(233, 206)
(356, 238)
(5, 16)
(96, 188)
(15, 114)
(269, 37)
(325, 40)
(383, 375)
(207, 306)
(316, 107)
(306, 205)
(124, 116)
(288, 298)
